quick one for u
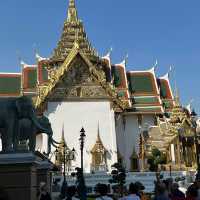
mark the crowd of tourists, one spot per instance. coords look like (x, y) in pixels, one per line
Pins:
(169, 190)
(164, 190)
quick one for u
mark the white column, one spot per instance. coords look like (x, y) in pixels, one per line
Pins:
(173, 154)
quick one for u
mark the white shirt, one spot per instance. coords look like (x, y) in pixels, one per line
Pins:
(131, 197)
(104, 198)
(183, 189)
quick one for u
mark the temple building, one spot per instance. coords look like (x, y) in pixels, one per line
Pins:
(76, 88)
(175, 137)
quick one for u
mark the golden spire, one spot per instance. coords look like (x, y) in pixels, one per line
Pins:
(72, 15)
(177, 114)
(98, 134)
(177, 98)
(62, 142)
(73, 33)
(98, 147)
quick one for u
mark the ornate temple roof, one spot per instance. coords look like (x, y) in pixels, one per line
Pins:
(73, 31)
(166, 92)
(144, 91)
(177, 114)
(98, 147)
(57, 75)
(120, 80)
(132, 91)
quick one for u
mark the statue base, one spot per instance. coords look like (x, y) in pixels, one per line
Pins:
(21, 173)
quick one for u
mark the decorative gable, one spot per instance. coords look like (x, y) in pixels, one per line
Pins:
(77, 82)
(72, 66)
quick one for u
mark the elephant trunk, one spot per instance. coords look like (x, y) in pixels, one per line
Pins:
(52, 142)
(44, 130)
(37, 124)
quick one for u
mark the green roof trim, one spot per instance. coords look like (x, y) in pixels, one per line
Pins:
(117, 77)
(10, 85)
(145, 100)
(44, 72)
(140, 83)
(163, 89)
(148, 109)
(32, 78)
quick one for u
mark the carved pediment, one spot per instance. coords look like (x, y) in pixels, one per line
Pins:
(77, 82)
(66, 81)
(78, 74)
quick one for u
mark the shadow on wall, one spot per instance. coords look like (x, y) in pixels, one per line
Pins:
(108, 155)
(53, 107)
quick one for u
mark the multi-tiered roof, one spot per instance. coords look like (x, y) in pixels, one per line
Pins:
(73, 30)
(133, 91)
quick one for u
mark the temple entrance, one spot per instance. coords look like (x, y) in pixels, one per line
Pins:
(99, 162)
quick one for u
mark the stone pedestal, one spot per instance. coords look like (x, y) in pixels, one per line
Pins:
(21, 173)
(44, 174)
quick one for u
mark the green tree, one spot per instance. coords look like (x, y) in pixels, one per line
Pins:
(155, 159)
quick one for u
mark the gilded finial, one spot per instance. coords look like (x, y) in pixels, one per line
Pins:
(72, 12)
(109, 52)
(62, 142)
(177, 97)
(98, 133)
(126, 59)
(98, 147)
(71, 3)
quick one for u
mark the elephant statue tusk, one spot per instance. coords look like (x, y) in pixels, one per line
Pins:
(55, 142)
(54, 145)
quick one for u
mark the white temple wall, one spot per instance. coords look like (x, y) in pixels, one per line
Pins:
(74, 116)
(128, 132)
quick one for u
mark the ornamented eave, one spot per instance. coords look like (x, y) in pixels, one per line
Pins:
(45, 89)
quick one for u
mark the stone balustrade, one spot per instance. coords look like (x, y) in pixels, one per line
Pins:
(146, 178)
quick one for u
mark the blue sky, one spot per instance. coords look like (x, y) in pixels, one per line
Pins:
(168, 31)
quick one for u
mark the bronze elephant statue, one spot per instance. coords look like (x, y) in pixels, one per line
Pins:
(12, 111)
(29, 130)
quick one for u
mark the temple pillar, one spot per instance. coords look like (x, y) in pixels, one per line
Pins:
(178, 153)
(173, 154)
